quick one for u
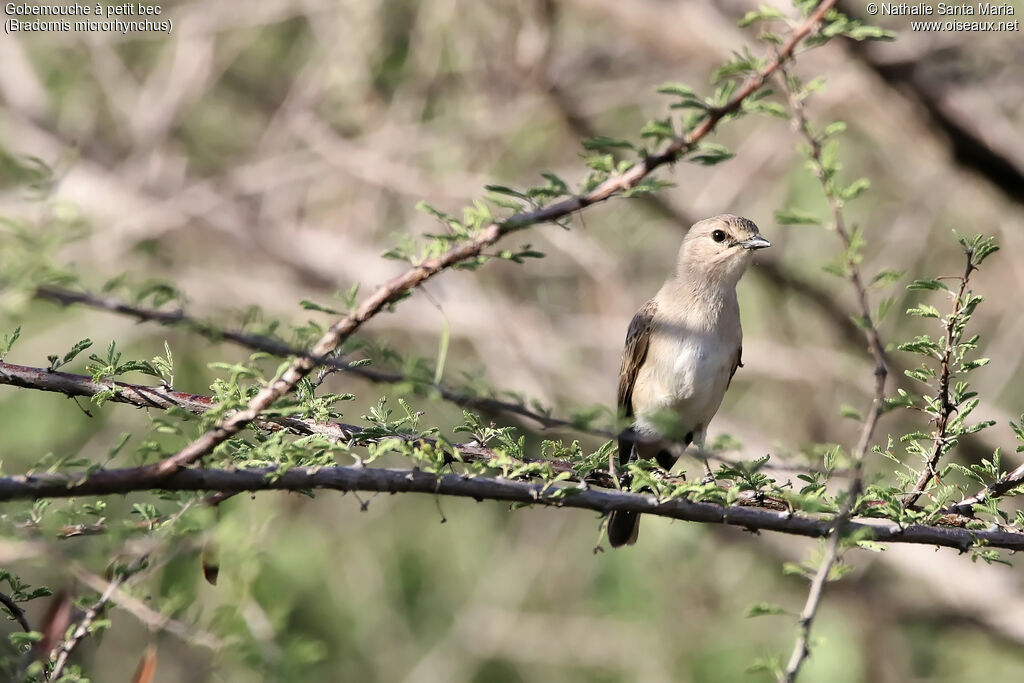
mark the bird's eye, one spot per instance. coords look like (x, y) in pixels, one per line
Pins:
(718, 235)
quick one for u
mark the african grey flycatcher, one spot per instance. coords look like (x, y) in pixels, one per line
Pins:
(683, 348)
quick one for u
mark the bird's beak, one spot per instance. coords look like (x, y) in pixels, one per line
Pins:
(755, 242)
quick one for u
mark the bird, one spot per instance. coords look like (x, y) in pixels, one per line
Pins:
(682, 349)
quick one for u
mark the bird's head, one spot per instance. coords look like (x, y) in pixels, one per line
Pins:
(720, 248)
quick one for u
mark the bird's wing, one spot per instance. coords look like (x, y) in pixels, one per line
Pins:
(737, 363)
(637, 340)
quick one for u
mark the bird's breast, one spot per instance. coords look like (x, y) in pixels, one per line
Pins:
(687, 373)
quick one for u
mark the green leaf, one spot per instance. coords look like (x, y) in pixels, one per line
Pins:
(8, 342)
(678, 89)
(834, 128)
(770, 108)
(929, 284)
(762, 13)
(924, 311)
(501, 189)
(75, 350)
(855, 189)
(849, 412)
(659, 129)
(600, 142)
(308, 305)
(796, 217)
(762, 609)
(974, 364)
(883, 308)
(867, 32)
(709, 154)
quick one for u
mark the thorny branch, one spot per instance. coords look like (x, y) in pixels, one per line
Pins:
(998, 488)
(946, 408)
(149, 616)
(841, 525)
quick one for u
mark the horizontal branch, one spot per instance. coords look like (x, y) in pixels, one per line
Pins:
(123, 481)
(356, 478)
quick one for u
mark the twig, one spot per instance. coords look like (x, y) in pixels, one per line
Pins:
(998, 488)
(946, 409)
(161, 398)
(841, 525)
(63, 651)
(386, 480)
(275, 347)
(16, 611)
(148, 615)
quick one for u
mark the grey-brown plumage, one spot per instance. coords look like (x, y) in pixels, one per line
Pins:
(682, 349)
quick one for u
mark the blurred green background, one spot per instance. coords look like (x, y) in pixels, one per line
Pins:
(267, 152)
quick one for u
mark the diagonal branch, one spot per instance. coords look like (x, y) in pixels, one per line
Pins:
(997, 488)
(63, 651)
(17, 613)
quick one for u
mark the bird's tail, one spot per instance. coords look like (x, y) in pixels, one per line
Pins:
(623, 528)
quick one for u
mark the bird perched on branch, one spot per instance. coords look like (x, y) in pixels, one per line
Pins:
(682, 349)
